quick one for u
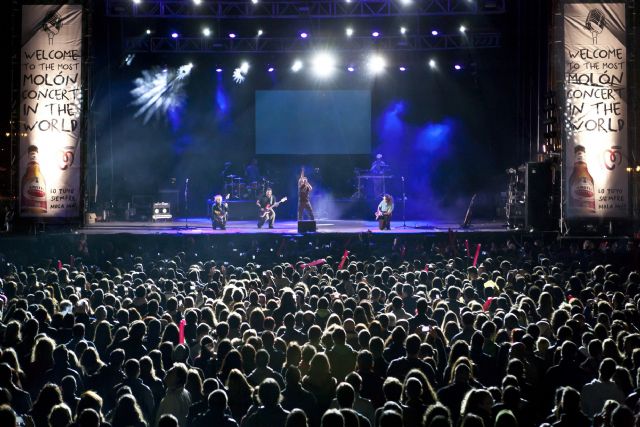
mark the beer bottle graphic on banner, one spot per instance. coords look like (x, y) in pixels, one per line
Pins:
(582, 191)
(33, 197)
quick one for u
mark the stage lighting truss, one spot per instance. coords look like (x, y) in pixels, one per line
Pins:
(414, 42)
(161, 211)
(317, 9)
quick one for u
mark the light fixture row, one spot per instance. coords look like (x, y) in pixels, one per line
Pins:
(323, 65)
(199, 2)
(349, 32)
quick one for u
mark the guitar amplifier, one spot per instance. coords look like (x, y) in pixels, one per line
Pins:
(307, 227)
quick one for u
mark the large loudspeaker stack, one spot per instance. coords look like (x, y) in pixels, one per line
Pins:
(541, 185)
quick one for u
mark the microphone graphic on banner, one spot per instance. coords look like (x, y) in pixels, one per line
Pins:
(595, 23)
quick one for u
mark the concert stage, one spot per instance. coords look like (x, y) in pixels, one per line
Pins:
(195, 226)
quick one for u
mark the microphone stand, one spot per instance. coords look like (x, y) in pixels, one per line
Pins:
(404, 206)
(186, 203)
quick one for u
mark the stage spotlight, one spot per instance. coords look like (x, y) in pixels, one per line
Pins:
(232, 35)
(304, 35)
(128, 60)
(432, 63)
(174, 35)
(206, 32)
(403, 30)
(185, 70)
(254, 1)
(148, 31)
(351, 69)
(137, 1)
(349, 31)
(376, 64)
(463, 29)
(323, 65)
(218, 70)
(402, 69)
(406, 2)
(434, 32)
(375, 34)
(297, 66)
(458, 67)
(260, 33)
(197, 2)
(160, 90)
(238, 77)
(271, 69)
(239, 74)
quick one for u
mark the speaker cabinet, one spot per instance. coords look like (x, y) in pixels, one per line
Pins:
(307, 227)
(539, 186)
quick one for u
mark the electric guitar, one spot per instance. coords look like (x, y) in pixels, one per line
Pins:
(221, 217)
(379, 214)
(269, 208)
(467, 217)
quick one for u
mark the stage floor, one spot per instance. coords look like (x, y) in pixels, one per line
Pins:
(203, 226)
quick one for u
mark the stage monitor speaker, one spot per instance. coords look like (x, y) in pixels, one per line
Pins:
(539, 196)
(307, 227)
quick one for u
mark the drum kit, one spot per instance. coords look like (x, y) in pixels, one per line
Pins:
(239, 189)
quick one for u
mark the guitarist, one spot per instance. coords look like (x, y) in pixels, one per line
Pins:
(266, 204)
(219, 213)
(383, 214)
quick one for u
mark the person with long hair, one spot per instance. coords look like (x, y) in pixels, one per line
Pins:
(320, 382)
(232, 360)
(477, 402)
(50, 396)
(127, 413)
(150, 379)
(102, 338)
(384, 212)
(41, 362)
(194, 386)
(240, 394)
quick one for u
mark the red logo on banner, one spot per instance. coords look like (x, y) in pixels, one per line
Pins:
(612, 157)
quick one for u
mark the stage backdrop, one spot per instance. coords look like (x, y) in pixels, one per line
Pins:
(595, 91)
(50, 111)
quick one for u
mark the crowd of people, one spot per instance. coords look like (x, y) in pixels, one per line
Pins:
(524, 336)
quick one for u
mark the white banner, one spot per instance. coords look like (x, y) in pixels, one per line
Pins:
(50, 111)
(596, 152)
